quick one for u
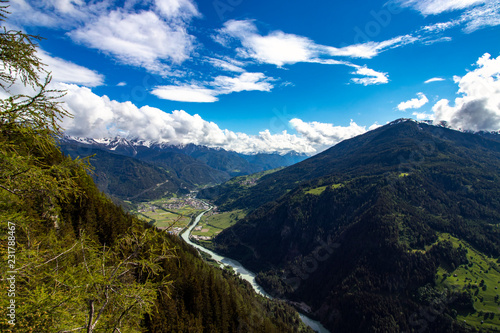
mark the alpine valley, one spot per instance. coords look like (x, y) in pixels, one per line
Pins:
(141, 170)
(396, 230)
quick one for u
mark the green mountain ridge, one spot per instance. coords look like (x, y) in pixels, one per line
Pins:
(355, 233)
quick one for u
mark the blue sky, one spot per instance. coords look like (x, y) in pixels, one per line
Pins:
(267, 76)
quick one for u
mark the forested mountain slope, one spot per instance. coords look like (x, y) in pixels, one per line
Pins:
(360, 231)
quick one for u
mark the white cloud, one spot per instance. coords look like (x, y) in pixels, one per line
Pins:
(229, 65)
(423, 116)
(482, 17)
(187, 93)
(100, 117)
(484, 14)
(138, 39)
(61, 14)
(435, 7)
(121, 84)
(414, 103)
(434, 79)
(371, 49)
(68, 72)
(371, 76)
(221, 85)
(479, 106)
(442, 26)
(185, 9)
(150, 34)
(279, 48)
(244, 82)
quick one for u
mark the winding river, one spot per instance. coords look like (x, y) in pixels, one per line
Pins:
(244, 273)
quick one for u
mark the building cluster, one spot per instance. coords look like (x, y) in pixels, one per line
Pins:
(173, 231)
(249, 182)
(177, 203)
(145, 208)
(205, 238)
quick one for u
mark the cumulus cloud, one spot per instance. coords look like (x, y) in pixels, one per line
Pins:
(221, 85)
(414, 103)
(478, 108)
(100, 117)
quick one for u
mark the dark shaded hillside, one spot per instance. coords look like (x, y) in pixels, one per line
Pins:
(358, 238)
(185, 167)
(127, 178)
(399, 146)
(191, 164)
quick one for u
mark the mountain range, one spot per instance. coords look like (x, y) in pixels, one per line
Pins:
(376, 230)
(137, 170)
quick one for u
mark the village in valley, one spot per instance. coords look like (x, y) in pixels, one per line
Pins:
(171, 214)
(175, 214)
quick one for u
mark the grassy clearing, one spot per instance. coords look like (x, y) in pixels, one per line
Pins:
(482, 278)
(213, 223)
(319, 190)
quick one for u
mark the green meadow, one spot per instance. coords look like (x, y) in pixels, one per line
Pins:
(213, 223)
(155, 213)
(481, 277)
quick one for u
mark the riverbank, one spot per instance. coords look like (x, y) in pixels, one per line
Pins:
(244, 273)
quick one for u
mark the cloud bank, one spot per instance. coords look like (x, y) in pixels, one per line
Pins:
(100, 117)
